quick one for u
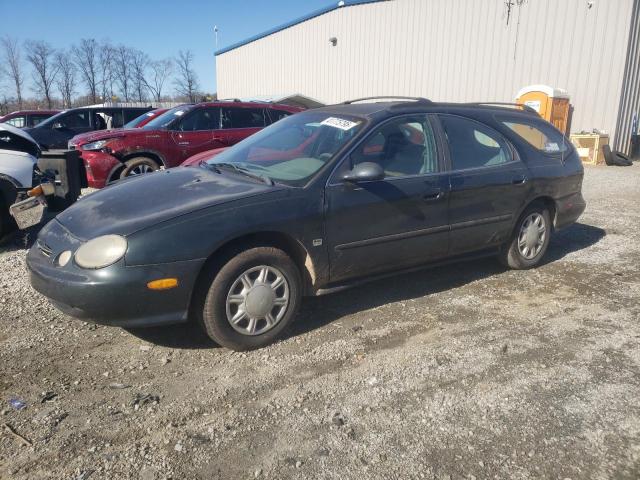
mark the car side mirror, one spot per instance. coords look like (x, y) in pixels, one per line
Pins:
(57, 126)
(364, 172)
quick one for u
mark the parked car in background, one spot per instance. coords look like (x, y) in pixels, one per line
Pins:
(171, 138)
(198, 158)
(18, 171)
(27, 118)
(138, 122)
(56, 131)
(318, 201)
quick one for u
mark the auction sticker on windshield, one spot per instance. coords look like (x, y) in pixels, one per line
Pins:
(340, 123)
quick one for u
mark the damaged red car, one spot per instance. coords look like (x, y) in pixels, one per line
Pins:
(171, 138)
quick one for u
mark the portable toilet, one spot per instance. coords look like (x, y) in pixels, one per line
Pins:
(551, 103)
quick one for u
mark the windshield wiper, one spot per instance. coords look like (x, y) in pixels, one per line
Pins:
(244, 171)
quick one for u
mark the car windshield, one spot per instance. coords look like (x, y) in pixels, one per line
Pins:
(138, 120)
(51, 120)
(293, 149)
(162, 121)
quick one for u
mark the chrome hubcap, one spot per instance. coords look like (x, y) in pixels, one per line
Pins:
(141, 169)
(533, 233)
(257, 300)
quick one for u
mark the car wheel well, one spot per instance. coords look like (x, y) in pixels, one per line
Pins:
(280, 240)
(8, 192)
(548, 202)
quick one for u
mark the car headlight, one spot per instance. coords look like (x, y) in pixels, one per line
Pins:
(101, 251)
(94, 145)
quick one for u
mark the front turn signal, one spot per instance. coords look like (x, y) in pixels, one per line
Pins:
(163, 284)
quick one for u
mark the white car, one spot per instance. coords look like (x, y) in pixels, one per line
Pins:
(19, 154)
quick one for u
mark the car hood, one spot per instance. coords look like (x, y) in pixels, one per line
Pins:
(12, 138)
(137, 203)
(89, 137)
(104, 134)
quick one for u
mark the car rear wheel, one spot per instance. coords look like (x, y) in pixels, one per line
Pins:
(7, 223)
(138, 166)
(252, 299)
(530, 239)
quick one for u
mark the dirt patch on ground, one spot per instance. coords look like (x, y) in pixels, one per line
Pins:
(471, 371)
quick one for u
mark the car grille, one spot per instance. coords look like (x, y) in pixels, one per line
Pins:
(44, 248)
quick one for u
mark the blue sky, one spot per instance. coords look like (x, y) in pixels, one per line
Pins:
(159, 27)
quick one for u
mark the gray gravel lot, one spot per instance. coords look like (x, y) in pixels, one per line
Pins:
(465, 371)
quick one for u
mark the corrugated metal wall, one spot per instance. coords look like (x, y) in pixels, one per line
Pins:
(453, 50)
(630, 98)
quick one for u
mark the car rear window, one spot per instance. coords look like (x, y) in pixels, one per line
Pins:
(539, 135)
(237, 117)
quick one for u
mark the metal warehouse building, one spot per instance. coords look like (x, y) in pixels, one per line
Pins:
(452, 50)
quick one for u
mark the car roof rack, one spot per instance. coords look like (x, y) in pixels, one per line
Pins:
(389, 97)
(520, 106)
(228, 100)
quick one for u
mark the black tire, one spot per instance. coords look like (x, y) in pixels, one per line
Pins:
(138, 166)
(212, 307)
(511, 255)
(7, 223)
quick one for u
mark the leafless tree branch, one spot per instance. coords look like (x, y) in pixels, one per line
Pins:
(86, 57)
(41, 57)
(12, 58)
(66, 80)
(186, 82)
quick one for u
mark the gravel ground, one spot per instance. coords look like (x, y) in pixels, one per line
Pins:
(466, 371)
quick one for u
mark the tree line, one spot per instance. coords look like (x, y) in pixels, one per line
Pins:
(90, 72)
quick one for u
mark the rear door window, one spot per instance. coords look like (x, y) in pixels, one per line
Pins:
(107, 118)
(236, 117)
(540, 135)
(274, 115)
(472, 144)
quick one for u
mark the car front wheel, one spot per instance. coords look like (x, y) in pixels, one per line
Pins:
(138, 166)
(530, 239)
(252, 299)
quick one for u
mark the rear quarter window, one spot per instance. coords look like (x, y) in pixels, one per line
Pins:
(542, 136)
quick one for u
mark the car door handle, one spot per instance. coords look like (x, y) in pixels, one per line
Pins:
(219, 139)
(183, 143)
(519, 180)
(430, 197)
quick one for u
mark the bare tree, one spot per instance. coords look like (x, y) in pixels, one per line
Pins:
(160, 71)
(106, 70)
(186, 82)
(139, 64)
(66, 80)
(41, 57)
(123, 70)
(86, 57)
(13, 60)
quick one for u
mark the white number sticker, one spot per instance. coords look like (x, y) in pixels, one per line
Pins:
(552, 147)
(340, 123)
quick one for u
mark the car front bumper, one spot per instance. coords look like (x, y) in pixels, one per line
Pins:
(116, 295)
(99, 167)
